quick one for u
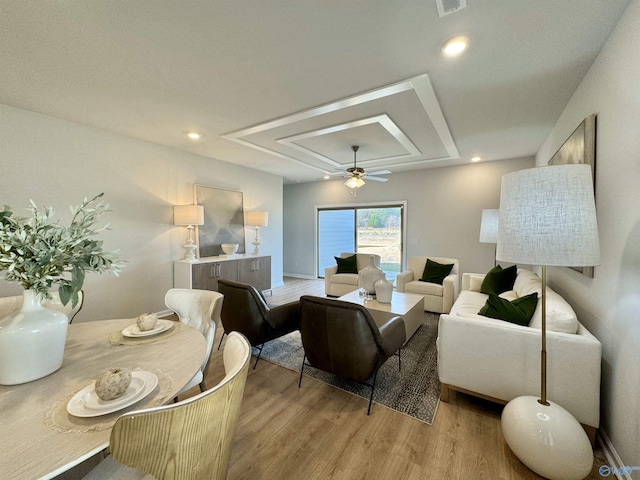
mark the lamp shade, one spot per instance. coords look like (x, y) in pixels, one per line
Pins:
(188, 215)
(257, 219)
(548, 217)
(489, 226)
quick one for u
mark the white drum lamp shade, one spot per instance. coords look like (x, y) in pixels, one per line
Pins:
(257, 219)
(489, 228)
(547, 217)
(189, 216)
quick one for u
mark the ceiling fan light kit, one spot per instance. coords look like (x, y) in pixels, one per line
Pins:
(356, 174)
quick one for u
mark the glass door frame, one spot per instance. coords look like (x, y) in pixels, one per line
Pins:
(345, 206)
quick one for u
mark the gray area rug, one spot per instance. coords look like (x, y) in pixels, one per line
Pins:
(414, 391)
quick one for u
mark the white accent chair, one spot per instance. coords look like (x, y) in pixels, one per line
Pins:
(8, 305)
(437, 298)
(338, 284)
(199, 309)
(188, 439)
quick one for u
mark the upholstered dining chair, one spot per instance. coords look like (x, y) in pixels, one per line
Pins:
(8, 305)
(342, 338)
(199, 309)
(189, 440)
(246, 311)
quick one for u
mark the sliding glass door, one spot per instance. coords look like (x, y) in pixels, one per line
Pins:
(368, 229)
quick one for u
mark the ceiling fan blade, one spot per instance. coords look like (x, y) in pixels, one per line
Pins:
(376, 179)
(380, 172)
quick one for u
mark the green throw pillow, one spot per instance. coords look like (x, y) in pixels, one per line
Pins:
(347, 265)
(499, 280)
(517, 311)
(435, 272)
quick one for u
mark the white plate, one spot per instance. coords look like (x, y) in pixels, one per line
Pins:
(132, 331)
(86, 403)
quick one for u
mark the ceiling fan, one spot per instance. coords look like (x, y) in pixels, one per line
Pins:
(356, 175)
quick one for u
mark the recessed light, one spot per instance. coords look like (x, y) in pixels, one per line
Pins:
(455, 46)
(326, 176)
(476, 159)
(194, 135)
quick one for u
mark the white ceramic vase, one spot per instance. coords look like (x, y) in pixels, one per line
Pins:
(368, 276)
(32, 341)
(384, 290)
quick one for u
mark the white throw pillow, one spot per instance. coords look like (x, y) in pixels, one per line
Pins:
(560, 315)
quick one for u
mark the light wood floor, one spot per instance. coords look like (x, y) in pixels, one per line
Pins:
(319, 432)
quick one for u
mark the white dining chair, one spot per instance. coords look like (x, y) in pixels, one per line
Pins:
(188, 440)
(199, 309)
(8, 305)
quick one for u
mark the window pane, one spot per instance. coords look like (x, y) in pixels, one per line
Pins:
(380, 232)
(336, 234)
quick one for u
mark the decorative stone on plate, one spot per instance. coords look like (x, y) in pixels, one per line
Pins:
(147, 321)
(112, 383)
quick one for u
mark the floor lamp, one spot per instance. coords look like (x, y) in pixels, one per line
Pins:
(548, 218)
(189, 216)
(256, 220)
(489, 228)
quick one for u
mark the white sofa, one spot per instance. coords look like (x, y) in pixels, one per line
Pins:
(499, 360)
(338, 284)
(437, 298)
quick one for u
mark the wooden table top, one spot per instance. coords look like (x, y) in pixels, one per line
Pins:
(39, 439)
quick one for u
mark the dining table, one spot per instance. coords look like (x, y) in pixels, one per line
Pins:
(39, 438)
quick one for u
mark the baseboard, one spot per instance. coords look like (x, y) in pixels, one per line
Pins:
(298, 275)
(614, 467)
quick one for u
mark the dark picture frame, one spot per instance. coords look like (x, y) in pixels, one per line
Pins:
(223, 219)
(580, 147)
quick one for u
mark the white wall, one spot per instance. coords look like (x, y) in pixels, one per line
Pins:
(609, 304)
(444, 207)
(58, 163)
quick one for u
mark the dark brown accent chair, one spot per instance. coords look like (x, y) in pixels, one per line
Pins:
(342, 338)
(246, 311)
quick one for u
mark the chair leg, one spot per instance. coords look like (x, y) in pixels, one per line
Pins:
(221, 337)
(373, 387)
(301, 369)
(258, 357)
(400, 359)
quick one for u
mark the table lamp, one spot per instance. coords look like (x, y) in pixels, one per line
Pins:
(489, 228)
(256, 220)
(189, 216)
(548, 218)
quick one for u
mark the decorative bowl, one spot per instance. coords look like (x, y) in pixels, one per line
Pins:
(229, 248)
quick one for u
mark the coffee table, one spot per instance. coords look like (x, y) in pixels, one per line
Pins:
(409, 306)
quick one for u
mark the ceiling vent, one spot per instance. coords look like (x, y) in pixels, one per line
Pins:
(445, 7)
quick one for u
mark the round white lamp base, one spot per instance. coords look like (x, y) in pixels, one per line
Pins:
(547, 439)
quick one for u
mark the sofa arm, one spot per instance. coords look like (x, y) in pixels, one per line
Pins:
(502, 360)
(328, 272)
(402, 279)
(450, 292)
(467, 280)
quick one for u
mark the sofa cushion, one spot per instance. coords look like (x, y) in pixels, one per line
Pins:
(347, 265)
(527, 282)
(518, 311)
(424, 288)
(435, 272)
(560, 316)
(345, 278)
(468, 302)
(498, 280)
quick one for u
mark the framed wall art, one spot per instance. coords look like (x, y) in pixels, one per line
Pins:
(223, 219)
(580, 147)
